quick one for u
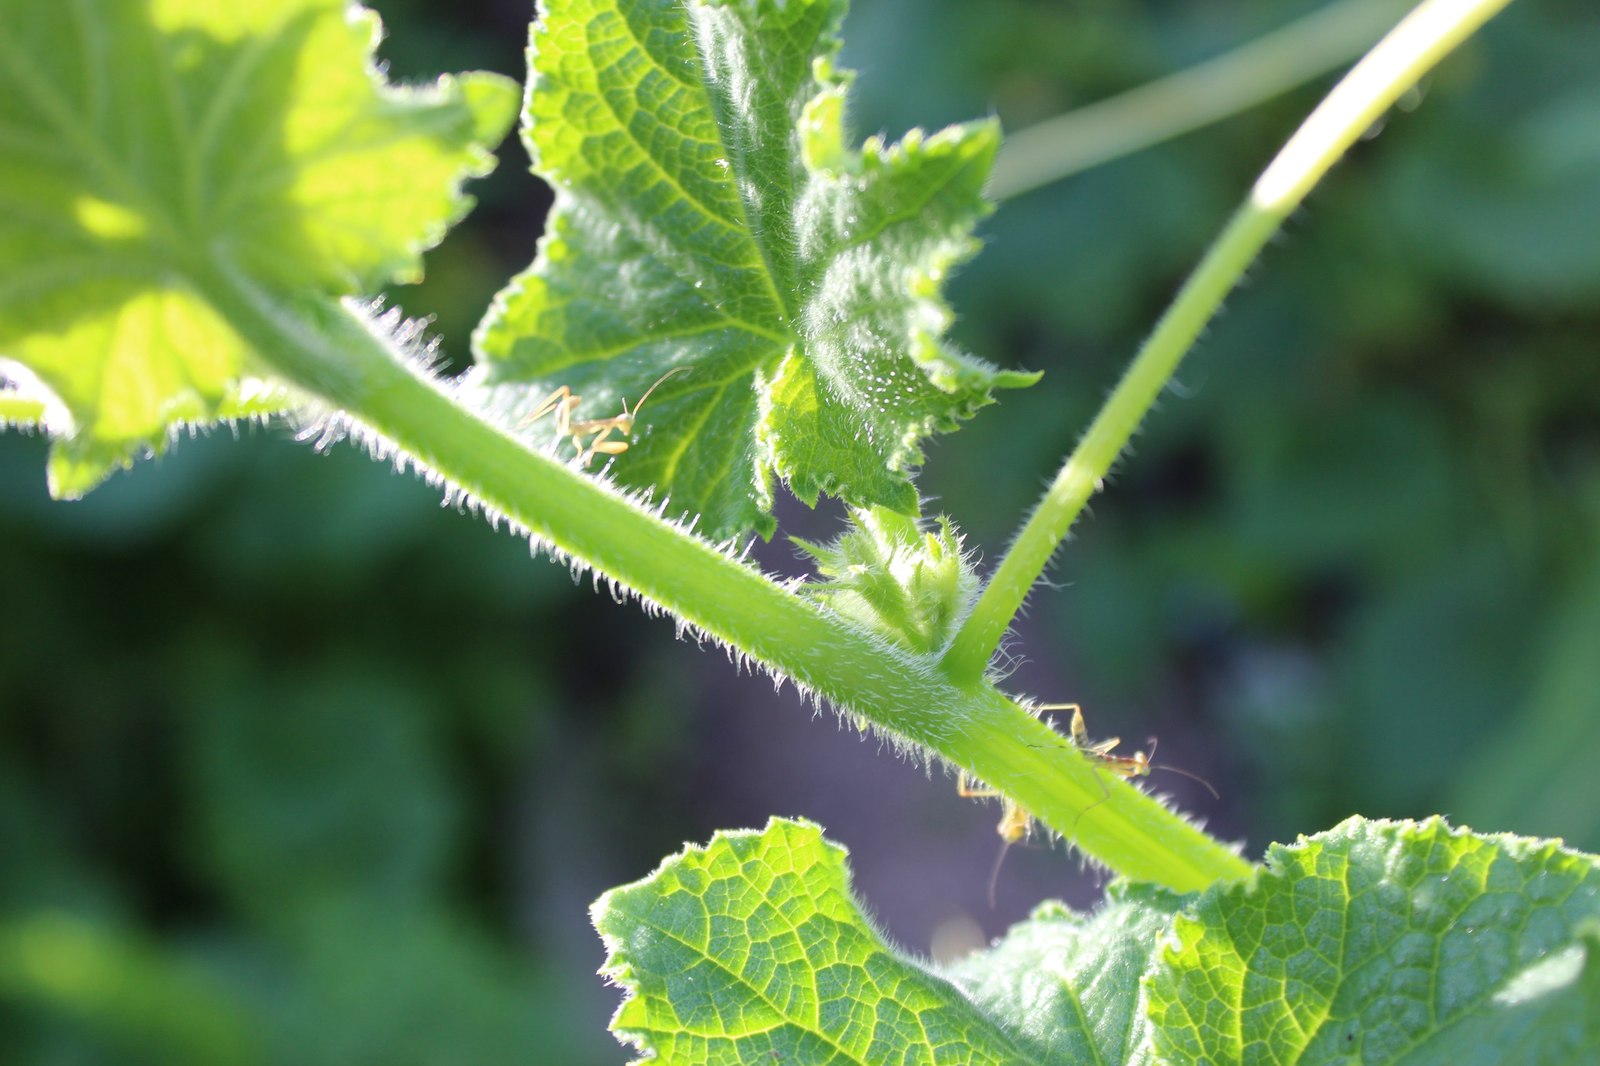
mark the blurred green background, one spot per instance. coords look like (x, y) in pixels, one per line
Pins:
(298, 767)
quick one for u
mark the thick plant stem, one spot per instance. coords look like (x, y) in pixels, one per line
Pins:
(1236, 81)
(330, 353)
(1423, 38)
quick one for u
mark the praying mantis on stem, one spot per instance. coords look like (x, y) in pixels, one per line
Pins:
(1016, 822)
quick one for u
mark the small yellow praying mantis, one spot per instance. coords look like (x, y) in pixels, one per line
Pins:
(1016, 822)
(564, 402)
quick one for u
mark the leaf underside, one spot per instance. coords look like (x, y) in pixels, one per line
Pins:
(752, 950)
(1375, 942)
(148, 144)
(1390, 942)
(709, 216)
(1067, 986)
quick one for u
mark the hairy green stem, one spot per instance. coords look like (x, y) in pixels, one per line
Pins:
(1412, 48)
(336, 357)
(20, 410)
(1185, 101)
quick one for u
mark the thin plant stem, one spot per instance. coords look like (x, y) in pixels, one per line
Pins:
(1412, 48)
(1208, 92)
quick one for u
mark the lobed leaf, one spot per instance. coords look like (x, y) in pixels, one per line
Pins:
(752, 950)
(1390, 942)
(146, 145)
(710, 216)
(1375, 942)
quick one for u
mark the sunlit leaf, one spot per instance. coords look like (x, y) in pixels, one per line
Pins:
(710, 215)
(752, 950)
(148, 145)
(1067, 985)
(1390, 942)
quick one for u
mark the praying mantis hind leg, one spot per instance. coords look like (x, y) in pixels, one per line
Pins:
(1015, 821)
(562, 401)
(969, 787)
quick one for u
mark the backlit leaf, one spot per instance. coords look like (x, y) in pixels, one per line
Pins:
(710, 215)
(1390, 942)
(147, 145)
(752, 950)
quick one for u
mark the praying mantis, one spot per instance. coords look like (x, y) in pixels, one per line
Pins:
(1016, 822)
(564, 402)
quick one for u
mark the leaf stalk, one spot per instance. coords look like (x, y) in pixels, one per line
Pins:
(1236, 81)
(1424, 37)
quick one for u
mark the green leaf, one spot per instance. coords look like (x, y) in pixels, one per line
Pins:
(1390, 942)
(147, 145)
(752, 950)
(709, 215)
(1067, 985)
